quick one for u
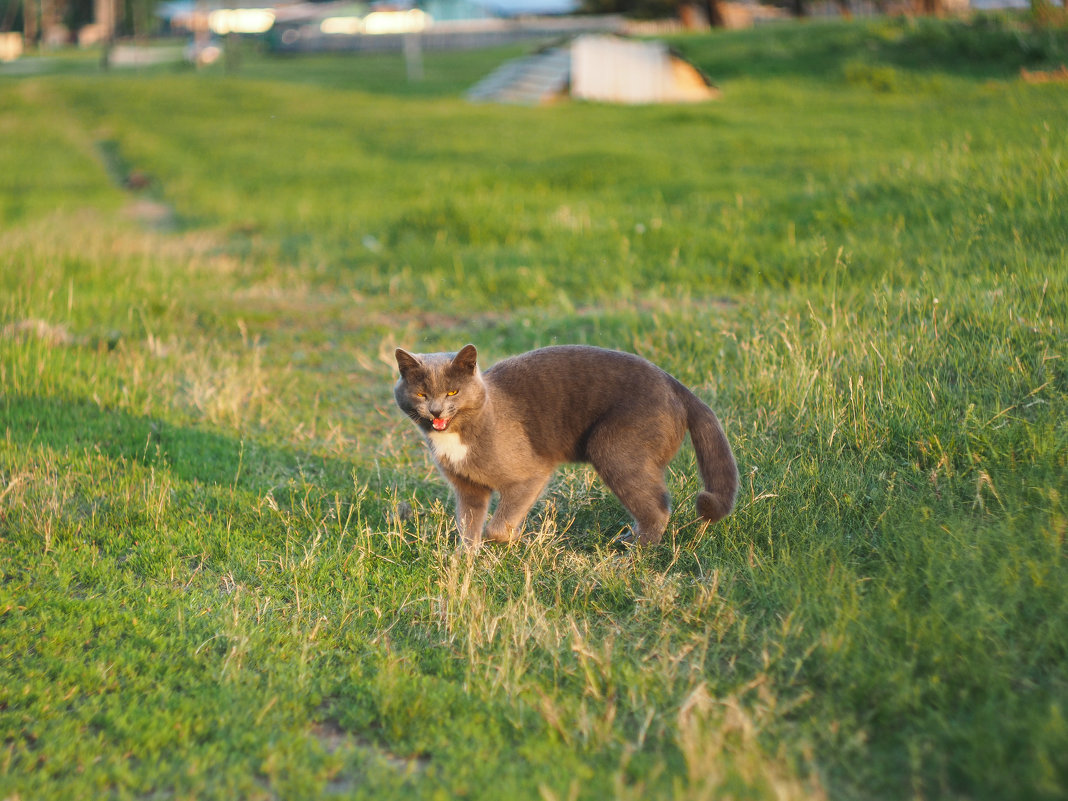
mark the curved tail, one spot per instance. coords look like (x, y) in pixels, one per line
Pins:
(719, 471)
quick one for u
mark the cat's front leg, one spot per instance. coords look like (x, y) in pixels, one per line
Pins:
(472, 504)
(516, 500)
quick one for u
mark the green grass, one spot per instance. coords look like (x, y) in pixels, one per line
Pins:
(228, 569)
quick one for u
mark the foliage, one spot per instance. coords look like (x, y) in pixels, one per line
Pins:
(135, 17)
(994, 46)
(227, 568)
(641, 9)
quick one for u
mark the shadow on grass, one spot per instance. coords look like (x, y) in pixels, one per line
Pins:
(193, 455)
(585, 516)
(447, 73)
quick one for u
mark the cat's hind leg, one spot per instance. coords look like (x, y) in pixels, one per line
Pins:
(641, 489)
(644, 494)
(634, 470)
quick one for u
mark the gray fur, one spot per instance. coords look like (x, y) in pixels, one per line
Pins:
(508, 429)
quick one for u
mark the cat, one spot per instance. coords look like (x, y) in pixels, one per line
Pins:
(509, 428)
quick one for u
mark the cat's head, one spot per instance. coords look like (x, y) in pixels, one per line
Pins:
(437, 390)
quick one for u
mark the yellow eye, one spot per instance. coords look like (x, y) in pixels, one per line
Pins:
(420, 395)
(452, 392)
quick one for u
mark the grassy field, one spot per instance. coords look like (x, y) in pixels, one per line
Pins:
(228, 568)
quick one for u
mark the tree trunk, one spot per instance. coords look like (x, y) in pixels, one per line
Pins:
(715, 15)
(9, 17)
(52, 12)
(29, 22)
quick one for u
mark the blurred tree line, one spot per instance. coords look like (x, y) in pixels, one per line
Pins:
(662, 9)
(45, 20)
(712, 10)
(36, 18)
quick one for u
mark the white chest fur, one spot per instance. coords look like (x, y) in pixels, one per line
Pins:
(447, 446)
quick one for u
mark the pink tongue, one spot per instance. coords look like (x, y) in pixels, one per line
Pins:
(439, 423)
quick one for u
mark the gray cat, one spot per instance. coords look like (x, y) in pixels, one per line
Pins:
(509, 428)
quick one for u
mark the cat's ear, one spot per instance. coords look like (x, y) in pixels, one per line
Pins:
(406, 361)
(466, 359)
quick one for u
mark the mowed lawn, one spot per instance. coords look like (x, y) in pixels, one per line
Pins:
(228, 568)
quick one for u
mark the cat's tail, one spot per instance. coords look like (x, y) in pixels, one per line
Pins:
(719, 471)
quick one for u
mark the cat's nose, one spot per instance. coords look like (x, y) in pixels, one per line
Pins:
(435, 410)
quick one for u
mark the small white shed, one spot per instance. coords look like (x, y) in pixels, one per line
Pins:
(600, 68)
(610, 69)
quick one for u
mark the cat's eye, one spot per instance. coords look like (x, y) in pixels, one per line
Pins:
(420, 394)
(452, 392)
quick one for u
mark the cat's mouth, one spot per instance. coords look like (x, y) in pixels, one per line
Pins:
(440, 423)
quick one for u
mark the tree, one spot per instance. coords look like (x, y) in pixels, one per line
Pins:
(714, 12)
(658, 9)
(30, 12)
(9, 19)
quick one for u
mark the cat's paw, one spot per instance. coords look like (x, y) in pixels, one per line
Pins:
(625, 540)
(461, 544)
(502, 536)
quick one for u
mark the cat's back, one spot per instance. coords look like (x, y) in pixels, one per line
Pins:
(572, 373)
(554, 398)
